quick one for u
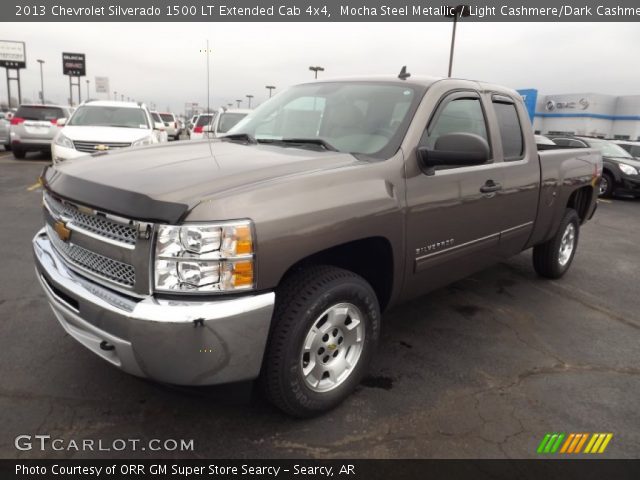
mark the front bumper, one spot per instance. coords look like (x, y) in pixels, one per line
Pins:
(628, 185)
(190, 342)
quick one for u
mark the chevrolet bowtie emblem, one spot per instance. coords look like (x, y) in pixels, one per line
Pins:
(61, 229)
(101, 148)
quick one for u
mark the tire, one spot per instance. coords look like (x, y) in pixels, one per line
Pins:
(19, 154)
(330, 299)
(553, 258)
(606, 185)
(7, 147)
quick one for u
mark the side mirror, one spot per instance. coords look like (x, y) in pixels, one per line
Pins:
(158, 126)
(454, 149)
(61, 122)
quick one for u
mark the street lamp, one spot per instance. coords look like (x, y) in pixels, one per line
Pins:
(239, 102)
(122, 97)
(271, 88)
(229, 105)
(115, 95)
(249, 97)
(41, 81)
(88, 96)
(315, 70)
(455, 13)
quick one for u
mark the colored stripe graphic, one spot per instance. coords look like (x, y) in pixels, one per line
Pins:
(573, 443)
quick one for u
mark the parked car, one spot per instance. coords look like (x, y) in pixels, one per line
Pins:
(34, 126)
(632, 147)
(202, 121)
(621, 171)
(171, 125)
(224, 121)
(99, 126)
(5, 124)
(276, 248)
(160, 130)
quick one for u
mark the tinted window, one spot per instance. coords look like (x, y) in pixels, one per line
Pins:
(229, 120)
(109, 117)
(167, 117)
(463, 115)
(40, 113)
(204, 120)
(510, 130)
(635, 151)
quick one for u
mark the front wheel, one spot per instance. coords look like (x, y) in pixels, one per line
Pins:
(606, 185)
(553, 258)
(325, 330)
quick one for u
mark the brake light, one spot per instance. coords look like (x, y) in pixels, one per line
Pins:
(54, 121)
(197, 130)
(17, 121)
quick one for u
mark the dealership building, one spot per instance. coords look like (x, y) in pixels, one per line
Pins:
(589, 114)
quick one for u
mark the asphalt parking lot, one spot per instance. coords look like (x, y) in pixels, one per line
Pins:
(483, 368)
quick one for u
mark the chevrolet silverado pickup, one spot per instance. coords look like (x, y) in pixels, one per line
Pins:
(270, 254)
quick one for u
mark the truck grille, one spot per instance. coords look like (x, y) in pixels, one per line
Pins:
(101, 266)
(93, 147)
(96, 224)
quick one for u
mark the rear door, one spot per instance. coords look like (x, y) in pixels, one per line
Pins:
(453, 221)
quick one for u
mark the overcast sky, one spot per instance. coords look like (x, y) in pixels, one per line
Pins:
(161, 62)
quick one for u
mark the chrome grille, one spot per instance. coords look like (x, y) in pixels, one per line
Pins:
(96, 224)
(90, 147)
(101, 266)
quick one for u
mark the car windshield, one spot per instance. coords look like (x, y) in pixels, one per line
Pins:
(40, 113)
(368, 118)
(101, 116)
(167, 117)
(229, 120)
(204, 120)
(609, 149)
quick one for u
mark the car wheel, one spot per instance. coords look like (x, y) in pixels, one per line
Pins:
(18, 153)
(7, 147)
(324, 333)
(606, 185)
(553, 258)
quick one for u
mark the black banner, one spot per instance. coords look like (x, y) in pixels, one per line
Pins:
(320, 469)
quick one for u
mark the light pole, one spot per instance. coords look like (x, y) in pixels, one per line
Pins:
(207, 51)
(41, 82)
(271, 88)
(239, 102)
(122, 97)
(315, 70)
(229, 105)
(249, 97)
(88, 96)
(455, 13)
(115, 95)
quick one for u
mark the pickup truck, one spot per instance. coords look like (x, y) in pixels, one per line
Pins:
(270, 254)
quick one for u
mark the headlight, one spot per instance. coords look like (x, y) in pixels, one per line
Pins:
(628, 169)
(63, 141)
(204, 257)
(148, 140)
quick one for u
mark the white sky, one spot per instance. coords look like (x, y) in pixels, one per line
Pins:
(161, 62)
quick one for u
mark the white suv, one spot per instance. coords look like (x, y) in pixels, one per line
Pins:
(98, 126)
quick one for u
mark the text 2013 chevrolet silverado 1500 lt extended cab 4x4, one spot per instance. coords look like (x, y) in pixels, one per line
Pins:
(271, 253)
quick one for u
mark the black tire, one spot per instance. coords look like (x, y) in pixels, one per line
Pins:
(7, 147)
(607, 185)
(19, 154)
(547, 256)
(300, 302)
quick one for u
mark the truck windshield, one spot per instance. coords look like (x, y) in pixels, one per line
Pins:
(367, 118)
(96, 116)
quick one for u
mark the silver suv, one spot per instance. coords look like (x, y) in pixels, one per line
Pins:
(34, 126)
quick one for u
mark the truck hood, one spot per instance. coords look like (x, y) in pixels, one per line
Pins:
(104, 134)
(162, 183)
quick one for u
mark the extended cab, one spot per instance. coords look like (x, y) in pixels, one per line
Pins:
(272, 251)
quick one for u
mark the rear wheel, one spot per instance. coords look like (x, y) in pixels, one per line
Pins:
(606, 185)
(19, 153)
(553, 258)
(7, 147)
(325, 330)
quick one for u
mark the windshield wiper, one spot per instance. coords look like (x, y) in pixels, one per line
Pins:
(240, 136)
(302, 141)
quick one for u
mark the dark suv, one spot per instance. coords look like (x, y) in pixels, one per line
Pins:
(621, 171)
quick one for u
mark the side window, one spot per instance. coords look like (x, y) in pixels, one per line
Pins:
(563, 142)
(510, 130)
(462, 115)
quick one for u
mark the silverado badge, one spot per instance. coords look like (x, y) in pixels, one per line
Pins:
(61, 229)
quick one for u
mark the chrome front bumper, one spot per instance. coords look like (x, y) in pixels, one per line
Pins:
(186, 342)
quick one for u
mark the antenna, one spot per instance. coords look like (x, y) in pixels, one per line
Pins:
(403, 75)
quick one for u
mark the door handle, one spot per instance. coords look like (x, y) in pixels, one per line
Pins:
(490, 186)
